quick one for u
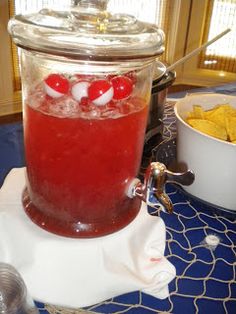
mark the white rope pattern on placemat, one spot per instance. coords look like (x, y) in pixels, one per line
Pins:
(169, 121)
(226, 232)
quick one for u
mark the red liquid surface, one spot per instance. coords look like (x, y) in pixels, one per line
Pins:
(79, 170)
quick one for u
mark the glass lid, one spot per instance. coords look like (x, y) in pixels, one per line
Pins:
(87, 31)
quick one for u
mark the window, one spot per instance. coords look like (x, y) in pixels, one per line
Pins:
(222, 15)
(216, 64)
(151, 10)
(186, 23)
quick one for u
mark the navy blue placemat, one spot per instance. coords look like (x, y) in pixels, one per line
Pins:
(11, 148)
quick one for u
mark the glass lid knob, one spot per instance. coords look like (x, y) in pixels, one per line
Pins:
(98, 5)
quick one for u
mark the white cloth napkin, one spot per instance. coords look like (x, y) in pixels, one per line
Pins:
(81, 272)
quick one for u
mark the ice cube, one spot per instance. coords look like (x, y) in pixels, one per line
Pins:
(126, 107)
(64, 106)
(94, 114)
(109, 113)
(36, 97)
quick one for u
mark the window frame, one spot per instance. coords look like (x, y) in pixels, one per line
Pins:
(10, 101)
(189, 72)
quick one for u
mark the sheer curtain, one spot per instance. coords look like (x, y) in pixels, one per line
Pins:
(221, 55)
(29, 6)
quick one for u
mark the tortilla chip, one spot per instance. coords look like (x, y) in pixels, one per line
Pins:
(229, 110)
(208, 127)
(231, 128)
(217, 116)
(197, 113)
(219, 122)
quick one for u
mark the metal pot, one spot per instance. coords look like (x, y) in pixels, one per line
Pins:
(155, 121)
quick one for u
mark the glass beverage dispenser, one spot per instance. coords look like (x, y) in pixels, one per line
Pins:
(86, 83)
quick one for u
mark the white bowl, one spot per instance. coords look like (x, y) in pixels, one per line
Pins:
(213, 161)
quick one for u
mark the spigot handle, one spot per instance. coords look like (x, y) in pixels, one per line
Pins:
(183, 178)
(156, 176)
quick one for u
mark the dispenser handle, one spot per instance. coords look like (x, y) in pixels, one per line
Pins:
(156, 176)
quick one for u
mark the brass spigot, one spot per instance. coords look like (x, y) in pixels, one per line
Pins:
(156, 176)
